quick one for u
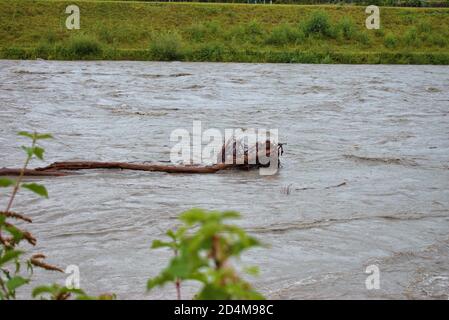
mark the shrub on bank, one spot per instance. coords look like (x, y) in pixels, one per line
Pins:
(210, 52)
(44, 50)
(390, 41)
(284, 34)
(106, 35)
(364, 38)
(251, 32)
(318, 25)
(166, 46)
(411, 37)
(198, 32)
(79, 46)
(438, 40)
(425, 26)
(347, 28)
(83, 46)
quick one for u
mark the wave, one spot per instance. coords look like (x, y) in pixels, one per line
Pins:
(381, 160)
(322, 223)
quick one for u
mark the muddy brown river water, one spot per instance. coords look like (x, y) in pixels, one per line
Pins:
(383, 130)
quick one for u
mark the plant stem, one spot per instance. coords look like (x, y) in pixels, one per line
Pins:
(2, 286)
(17, 185)
(178, 288)
(215, 253)
(177, 281)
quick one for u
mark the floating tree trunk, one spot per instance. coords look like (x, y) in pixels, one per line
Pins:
(32, 172)
(58, 169)
(240, 158)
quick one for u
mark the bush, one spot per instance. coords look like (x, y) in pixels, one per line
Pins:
(253, 28)
(425, 27)
(379, 33)
(251, 32)
(347, 28)
(196, 32)
(327, 60)
(203, 247)
(284, 34)
(50, 37)
(106, 35)
(411, 37)
(318, 24)
(166, 47)
(364, 38)
(199, 32)
(210, 52)
(44, 50)
(390, 41)
(83, 46)
(438, 40)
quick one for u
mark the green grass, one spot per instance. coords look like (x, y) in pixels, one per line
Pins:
(387, 3)
(117, 30)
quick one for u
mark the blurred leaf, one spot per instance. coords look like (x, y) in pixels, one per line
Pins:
(204, 246)
(230, 215)
(161, 244)
(16, 282)
(42, 136)
(42, 289)
(29, 151)
(159, 280)
(178, 268)
(30, 267)
(17, 262)
(171, 234)
(193, 216)
(26, 134)
(4, 182)
(105, 296)
(55, 291)
(252, 270)
(15, 233)
(39, 152)
(10, 255)
(36, 188)
(212, 292)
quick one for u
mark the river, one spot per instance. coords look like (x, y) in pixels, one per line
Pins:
(364, 178)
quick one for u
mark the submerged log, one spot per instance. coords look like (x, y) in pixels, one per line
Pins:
(82, 165)
(59, 169)
(239, 156)
(32, 172)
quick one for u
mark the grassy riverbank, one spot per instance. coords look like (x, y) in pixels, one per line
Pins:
(222, 32)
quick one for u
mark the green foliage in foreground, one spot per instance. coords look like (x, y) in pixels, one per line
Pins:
(11, 236)
(203, 247)
(222, 32)
(57, 292)
(12, 261)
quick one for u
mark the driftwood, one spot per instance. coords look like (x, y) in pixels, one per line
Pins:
(239, 158)
(32, 172)
(59, 169)
(81, 165)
